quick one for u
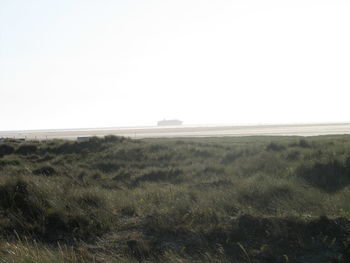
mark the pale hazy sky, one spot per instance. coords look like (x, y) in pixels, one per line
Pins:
(101, 63)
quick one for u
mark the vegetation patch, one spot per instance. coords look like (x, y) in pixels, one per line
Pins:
(6, 150)
(330, 176)
(45, 170)
(114, 199)
(159, 175)
(6, 162)
(27, 149)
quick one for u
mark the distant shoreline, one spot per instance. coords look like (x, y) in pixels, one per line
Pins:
(302, 129)
(174, 126)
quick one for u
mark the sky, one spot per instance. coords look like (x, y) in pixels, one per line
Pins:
(110, 63)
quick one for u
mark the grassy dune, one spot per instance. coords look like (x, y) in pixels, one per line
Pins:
(113, 199)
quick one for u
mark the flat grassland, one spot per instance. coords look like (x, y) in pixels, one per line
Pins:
(233, 199)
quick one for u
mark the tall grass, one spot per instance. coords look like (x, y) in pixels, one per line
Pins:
(115, 199)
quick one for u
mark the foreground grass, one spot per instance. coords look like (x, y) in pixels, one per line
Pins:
(249, 199)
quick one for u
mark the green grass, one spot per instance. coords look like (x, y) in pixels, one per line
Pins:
(113, 199)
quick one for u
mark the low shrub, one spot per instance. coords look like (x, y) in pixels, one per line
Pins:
(45, 170)
(273, 146)
(107, 166)
(293, 155)
(28, 211)
(7, 162)
(304, 143)
(94, 144)
(161, 175)
(24, 205)
(6, 150)
(27, 149)
(263, 198)
(231, 157)
(330, 176)
(114, 139)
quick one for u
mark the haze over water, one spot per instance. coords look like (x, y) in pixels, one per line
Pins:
(77, 64)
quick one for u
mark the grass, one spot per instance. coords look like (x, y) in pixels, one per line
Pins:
(113, 199)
